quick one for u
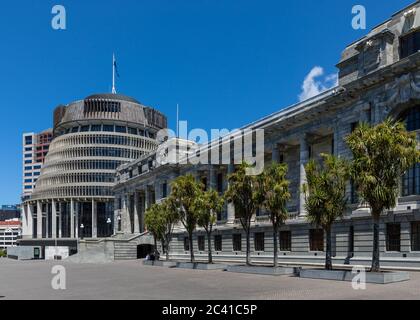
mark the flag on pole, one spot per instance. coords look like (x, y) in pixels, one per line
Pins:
(116, 68)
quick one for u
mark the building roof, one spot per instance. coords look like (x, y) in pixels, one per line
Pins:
(111, 96)
(10, 223)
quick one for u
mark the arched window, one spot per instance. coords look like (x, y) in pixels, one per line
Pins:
(411, 180)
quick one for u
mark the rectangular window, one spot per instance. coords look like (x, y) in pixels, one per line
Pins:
(96, 127)
(75, 129)
(28, 180)
(28, 168)
(28, 140)
(393, 237)
(132, 130)
(164, 190)
(37, 167)
(316, 240)
(28, 161)
(218, 242)
(415, 236)
(28, 187)
(121, 129)
(285, 241)
(108, 128)
(237, 242)
(37, 173)
(28, 155)
(28, 149)
(201, 243)
(186, 244)
(259, 241)
(84, 129)
(28, 174)
(409, 44)
(220, 182)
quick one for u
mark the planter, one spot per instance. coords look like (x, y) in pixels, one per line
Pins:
(201, 266)
(346, 275)
(166, 264)
(270, 271)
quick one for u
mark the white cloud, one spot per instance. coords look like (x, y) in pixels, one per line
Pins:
(312, 86)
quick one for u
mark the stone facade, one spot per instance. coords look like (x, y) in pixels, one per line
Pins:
(379, 77)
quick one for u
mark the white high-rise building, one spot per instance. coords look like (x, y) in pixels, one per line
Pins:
(35, 148)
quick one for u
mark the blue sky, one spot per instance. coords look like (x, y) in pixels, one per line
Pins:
(226, 62)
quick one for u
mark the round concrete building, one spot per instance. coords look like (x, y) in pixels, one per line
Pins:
(92, 137)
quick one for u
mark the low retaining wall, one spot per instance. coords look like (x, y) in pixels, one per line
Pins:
(346, 275)
(201, 266)
(279, 271)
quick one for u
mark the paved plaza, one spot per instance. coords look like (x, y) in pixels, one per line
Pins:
(132, 280)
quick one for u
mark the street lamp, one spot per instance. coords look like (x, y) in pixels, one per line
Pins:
(108, 221)
(82, 228)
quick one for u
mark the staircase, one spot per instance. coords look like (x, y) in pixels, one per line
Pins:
(118, 247)
(125, 246)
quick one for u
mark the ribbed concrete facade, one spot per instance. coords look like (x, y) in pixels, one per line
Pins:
(73, 196)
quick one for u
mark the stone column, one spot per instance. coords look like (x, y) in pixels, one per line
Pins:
(125, 216)
(28, 231)
(146, 198)
(72, 219)
(76, 219)
(38, 220)
(304, 157)
(275, 155)
(60, 220)
(94, 220)
(212, 178)
(336, 141)
(136, 212)
(53, 220)
(230, 206)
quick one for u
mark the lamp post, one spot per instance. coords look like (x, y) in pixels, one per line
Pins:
(82, 229)
(108, 222)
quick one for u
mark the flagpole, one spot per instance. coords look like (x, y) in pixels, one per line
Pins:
(177, 120)
(113, 74)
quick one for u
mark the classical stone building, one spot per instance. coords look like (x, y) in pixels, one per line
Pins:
(379, 77)
(73, 196)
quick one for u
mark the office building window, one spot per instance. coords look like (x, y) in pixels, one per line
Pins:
(393, 237)
(415, 236)
(237, 242)
(285, 241)
(316, 240)
(186, 244)
(201, 243)
(218, 242)
(28, 140)
(259, 241)
(108, 128)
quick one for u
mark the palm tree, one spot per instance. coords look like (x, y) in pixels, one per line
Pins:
(325, 195)
(244, 193)
(210, 204)
(186, 193)
(275, 188)
(381, 156)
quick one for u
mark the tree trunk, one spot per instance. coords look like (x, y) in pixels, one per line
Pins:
(167, 248)
(209, 245)
(328, 260)
(375, 252)
(191, 247)
(248, 247)
(275, 247)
